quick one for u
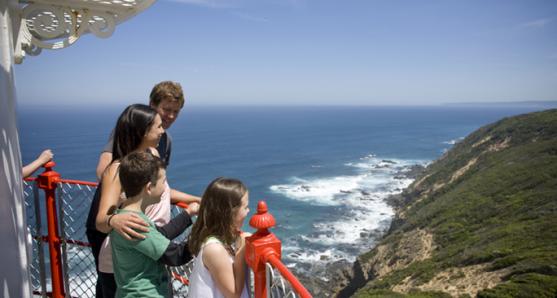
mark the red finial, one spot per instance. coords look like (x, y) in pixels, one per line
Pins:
(49, 165)
(263, 219)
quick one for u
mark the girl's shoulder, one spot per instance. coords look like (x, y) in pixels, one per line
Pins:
(214, 252)
(211, 240)
(212, 245)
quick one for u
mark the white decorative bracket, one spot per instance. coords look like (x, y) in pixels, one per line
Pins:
(57, 24)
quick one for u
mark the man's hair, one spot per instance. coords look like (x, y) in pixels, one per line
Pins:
(136, 170)
(167, 90)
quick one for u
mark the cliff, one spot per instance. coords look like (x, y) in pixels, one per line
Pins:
(480, 221)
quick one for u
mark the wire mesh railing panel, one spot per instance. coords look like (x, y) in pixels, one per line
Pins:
(277, 287)
(79, 266)
(180, 274)
(32, 211)
(75, 203)
(179, 279)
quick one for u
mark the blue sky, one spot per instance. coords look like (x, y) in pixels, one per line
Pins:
(320, 52)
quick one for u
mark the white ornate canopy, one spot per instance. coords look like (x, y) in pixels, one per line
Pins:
(56, 24)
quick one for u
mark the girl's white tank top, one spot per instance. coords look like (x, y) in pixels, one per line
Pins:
(202, 284)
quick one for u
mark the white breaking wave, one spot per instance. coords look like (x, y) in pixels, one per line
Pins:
(452, 142)
(366, 215)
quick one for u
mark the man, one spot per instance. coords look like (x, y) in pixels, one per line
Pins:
(167, 98)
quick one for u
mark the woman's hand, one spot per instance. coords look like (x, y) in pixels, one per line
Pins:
(129, 225)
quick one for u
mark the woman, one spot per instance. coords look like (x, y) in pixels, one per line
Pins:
(138, 128)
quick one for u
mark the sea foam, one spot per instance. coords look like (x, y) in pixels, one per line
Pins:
(363, 215)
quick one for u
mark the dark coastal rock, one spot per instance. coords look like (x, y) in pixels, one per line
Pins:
(329, 278)
(415, 171)
(388, 161)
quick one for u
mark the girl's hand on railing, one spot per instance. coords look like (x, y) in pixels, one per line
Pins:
(241, 241)
(129, 225)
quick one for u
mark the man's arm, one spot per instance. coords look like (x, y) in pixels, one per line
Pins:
(104, 161)
(177, 196)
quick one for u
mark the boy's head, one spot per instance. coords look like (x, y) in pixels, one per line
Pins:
(167, 98)
(142, 172)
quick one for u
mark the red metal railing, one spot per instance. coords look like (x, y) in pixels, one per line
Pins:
(263, 248)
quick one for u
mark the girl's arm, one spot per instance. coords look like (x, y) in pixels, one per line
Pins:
(125, 224)
(43, 158)
(230, 278)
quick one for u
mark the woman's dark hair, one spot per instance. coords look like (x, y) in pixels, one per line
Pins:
(131, 127)
(216, 213)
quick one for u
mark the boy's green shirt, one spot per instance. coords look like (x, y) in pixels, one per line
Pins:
(136, 270)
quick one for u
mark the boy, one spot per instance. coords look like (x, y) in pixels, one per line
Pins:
(139, 264)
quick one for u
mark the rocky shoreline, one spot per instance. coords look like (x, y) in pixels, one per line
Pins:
(327, 279)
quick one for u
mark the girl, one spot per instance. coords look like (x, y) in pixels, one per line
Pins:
(219, 269)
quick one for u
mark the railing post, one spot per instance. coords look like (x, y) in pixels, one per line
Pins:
(260, 246)
(48, 182)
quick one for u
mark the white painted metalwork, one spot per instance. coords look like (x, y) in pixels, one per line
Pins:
(276, 285)
(57, 24)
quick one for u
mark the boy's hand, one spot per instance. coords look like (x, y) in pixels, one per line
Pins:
(193, 208)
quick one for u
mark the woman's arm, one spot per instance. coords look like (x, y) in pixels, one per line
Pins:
(104, 160)
(230, 278)
(125, 224)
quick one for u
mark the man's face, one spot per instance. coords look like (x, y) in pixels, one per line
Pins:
(169, 110)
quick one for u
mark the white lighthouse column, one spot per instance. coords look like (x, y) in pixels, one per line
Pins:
(14, 274)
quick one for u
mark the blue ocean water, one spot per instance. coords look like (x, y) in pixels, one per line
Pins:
(323, 171)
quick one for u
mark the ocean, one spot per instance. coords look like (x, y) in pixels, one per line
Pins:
(324, 171)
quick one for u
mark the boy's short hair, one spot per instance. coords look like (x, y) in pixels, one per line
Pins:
(167, 90)
(136, 170)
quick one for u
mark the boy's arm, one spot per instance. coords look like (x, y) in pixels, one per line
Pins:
(176, 226)
(176, 254)
(177, 196)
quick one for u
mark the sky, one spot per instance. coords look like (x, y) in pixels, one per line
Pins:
(309, 52)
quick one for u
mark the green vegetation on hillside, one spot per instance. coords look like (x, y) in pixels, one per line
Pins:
(501, 211)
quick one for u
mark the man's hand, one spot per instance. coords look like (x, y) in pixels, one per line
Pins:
(193, 208)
